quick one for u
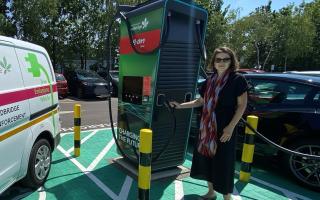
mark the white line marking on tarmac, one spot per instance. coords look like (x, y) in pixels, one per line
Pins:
(87, 128)
(284, 191)
(67, 101)
(83, 140)
(42, 193)
(124, 193)
(65, 112)
(102, 186)
(235, 195)
(71, 133)
(100, 156)
(292, 198)
(179, 193)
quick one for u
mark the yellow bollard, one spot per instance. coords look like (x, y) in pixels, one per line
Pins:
(77, 124)
(144, 176)
(248, 149)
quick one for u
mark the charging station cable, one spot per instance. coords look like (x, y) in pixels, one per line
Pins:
(171, 110)
(278, 146)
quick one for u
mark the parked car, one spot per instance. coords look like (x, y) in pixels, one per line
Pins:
(250, 70)
(311, 73)
(84, 83)
(114, 77)
(288, 107)
(114, 80)
(62, 85)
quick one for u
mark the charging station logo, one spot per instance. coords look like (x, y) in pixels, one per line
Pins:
(141, 25)
(144, 23)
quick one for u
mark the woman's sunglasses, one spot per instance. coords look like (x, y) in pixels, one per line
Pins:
(224, 60)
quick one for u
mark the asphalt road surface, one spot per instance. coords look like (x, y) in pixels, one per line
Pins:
(94, 113)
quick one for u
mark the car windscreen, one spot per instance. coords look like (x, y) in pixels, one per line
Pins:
(60, 77)
(84, 75)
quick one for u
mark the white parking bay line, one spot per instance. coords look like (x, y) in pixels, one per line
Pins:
(86, 129)
(124, 193)
(42, 193)
(65, 112)
(100, 156)
(102, 186)
(179, 193)
(286, 192)
(235, 194)
(83, 140)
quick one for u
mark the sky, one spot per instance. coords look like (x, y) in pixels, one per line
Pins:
(247, 6)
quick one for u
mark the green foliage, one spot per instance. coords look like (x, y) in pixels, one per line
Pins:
(266, 37)
(217, 24)
(6, 27)
(76, 29)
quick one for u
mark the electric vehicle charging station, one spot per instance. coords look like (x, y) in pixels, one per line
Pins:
(161, 45)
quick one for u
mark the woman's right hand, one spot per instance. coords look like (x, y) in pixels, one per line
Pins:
(175, 104)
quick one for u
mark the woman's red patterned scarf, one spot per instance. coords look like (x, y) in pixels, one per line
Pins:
(207, 143)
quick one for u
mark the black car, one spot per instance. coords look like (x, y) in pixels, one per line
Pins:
(114, 80)
(84, 83)
(288, 107)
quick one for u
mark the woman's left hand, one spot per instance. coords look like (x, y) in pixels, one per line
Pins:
(227, 134)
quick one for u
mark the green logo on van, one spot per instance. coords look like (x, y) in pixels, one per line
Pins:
(36, 68)
(5, 67)
(35, 65)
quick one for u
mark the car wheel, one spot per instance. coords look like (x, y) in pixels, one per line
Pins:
(39, 164)
(305, 170)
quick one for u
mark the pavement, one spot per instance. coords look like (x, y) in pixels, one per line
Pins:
(93, 176)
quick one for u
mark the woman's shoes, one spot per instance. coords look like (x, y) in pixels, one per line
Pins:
(205, 197)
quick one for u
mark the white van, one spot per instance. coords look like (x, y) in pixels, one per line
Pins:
(29, 120)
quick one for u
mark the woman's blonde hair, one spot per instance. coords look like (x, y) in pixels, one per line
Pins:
(234, 65)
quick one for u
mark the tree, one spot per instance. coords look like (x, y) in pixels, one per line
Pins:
(216, 26)
(6, 27)
(312, 10)
(35, 22)
(294, 36)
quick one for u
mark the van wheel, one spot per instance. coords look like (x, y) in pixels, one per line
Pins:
(39, 164)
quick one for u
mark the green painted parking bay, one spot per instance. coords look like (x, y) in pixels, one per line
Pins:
(92, 176)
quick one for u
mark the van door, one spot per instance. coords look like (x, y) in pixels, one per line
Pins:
(37, 73)
(14, 114)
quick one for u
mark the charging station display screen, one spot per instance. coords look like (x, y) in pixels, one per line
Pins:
(132, 89)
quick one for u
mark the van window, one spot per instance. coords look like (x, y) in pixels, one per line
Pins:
(9, 69)
(37, 74)
(35, 68)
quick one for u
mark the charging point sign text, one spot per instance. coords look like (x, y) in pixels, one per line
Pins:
(128, 137)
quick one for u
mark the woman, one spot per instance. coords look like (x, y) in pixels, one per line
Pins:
(224, 100)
